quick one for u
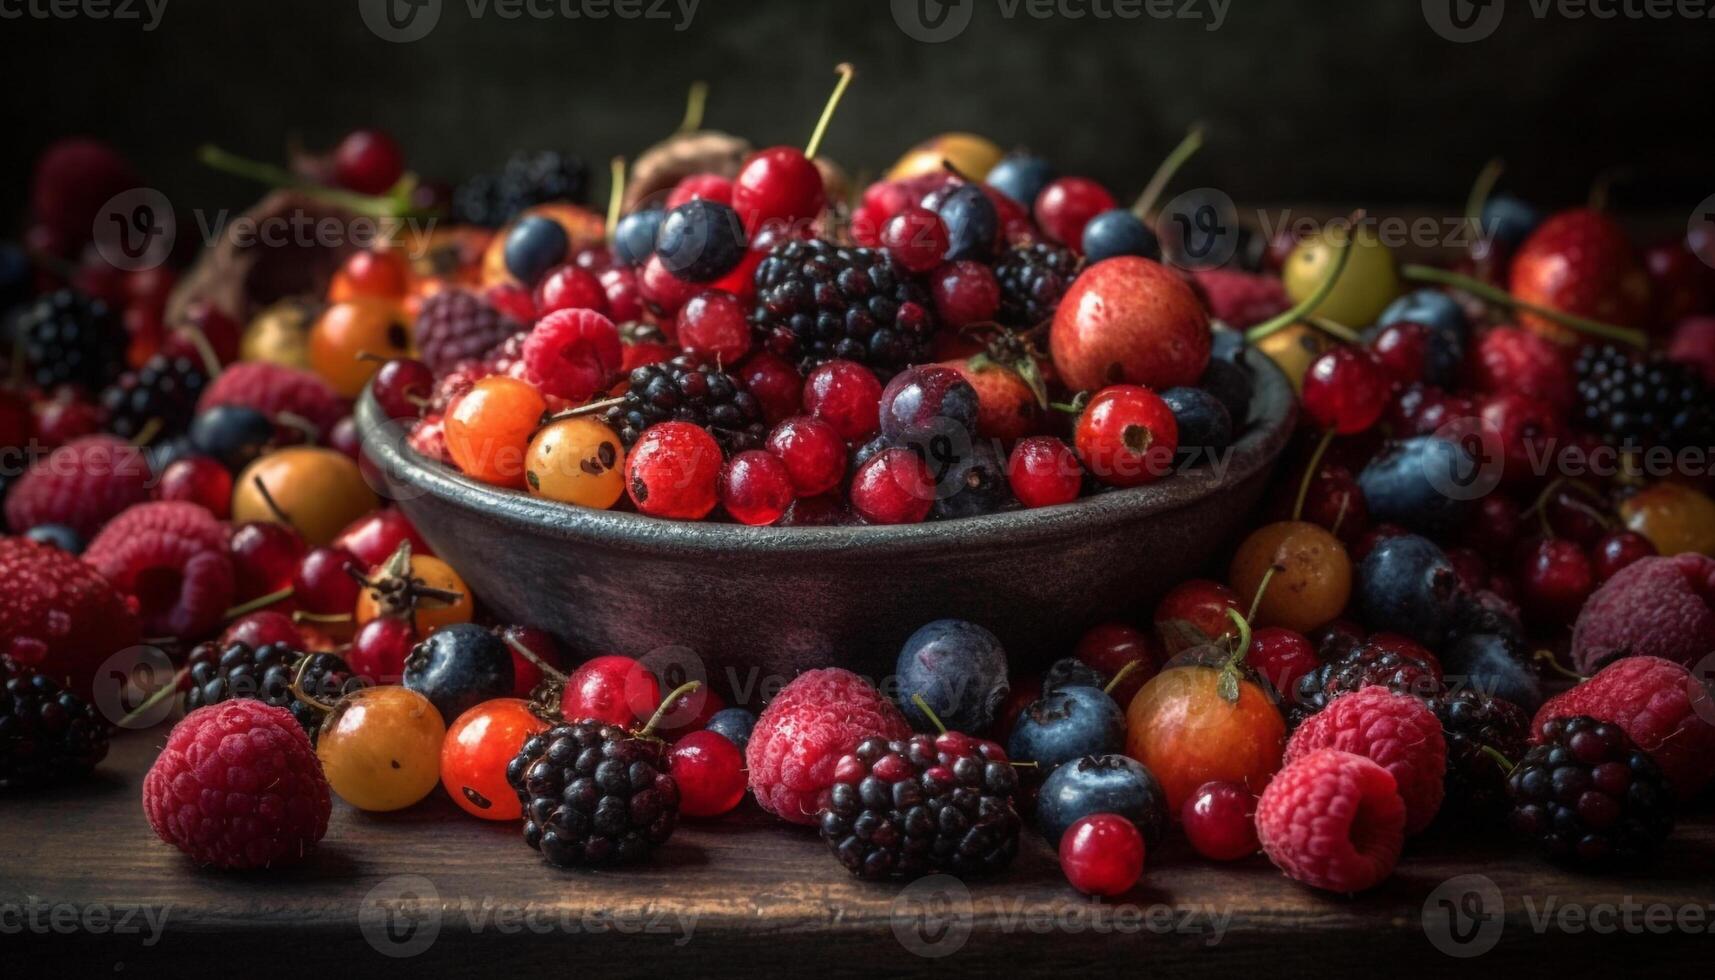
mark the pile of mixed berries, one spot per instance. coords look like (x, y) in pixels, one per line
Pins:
(1493, 491)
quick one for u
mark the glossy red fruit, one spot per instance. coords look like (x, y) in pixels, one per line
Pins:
(775, 384)
(1527, 431)
(893, 487)
(847, 396)
(704, 187)
(965, 293)
(624, 299)
(374, 537)
(1494, 527)
(779, 185)
(525, 674)
(1616, 550)
(322, 585)
(1044, 471)
(1346, 390)
(1127, 320)
(1066, 205)
(1554, 579)
(1114, 647)
(261, 628)
(916, 238)
(663, 293)
(198, 480)
(1679, 282)
(715, 323)
(265, 557)
(1220, 821)
(813, 453)
(379, 649)
(569, 287)
(368, 161)
(1102, 854)
(756, 489)
(1126, 436)
(674, 471)
(689, 712)
(1507, 359)
(612, 689)
(478, 747)
(1401, 350)
(710, 772)
(1580, 262)
(1196, 612)
(1281, 656)
(401, 387)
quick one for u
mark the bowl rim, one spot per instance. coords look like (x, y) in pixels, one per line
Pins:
(407, 474)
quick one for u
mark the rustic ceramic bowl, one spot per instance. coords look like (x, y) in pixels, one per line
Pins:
(757, 605)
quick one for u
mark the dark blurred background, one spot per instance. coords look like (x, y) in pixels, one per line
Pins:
(1353, 101)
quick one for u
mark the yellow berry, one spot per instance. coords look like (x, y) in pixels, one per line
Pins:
(1368, 284)
(380, 748)
(576, 461)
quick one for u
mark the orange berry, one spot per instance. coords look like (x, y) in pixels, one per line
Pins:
(319, 490)
(1182, 729)
(476, 752)
(428, 614)
(1311, 585)
(348, 331)
(489, 428)
(576, 461)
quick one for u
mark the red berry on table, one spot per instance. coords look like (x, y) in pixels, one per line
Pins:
(569, 287)
(572, 354)
(715, 323)
(1102, 854)
(1066, 205)
(368, 161)
(756, 488)
(1220, 821)
(265, 556)
(916, 238)
(476, 751)
(846, 395)
(541, 644)
(1555, 578)
(488, 428)
(198, 480)
(813, 451)
(774, 382)
(1043, 471)
(662, 292)
(323, 586)
(1402, 351)
(379, 649)
(1346, 390)
(893, 487)
(402, 386)
(965, 292)
(611, 689)
(674, 471)
(710, 772)
(1332, 820)
(1618, 549)
(1126, 436)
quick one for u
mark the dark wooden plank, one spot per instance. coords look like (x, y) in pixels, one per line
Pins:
(748, 894)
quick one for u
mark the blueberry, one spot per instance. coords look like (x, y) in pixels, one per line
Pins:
(634, 237)
(57, 535)
(920, 402)
(971, 486)
(734, 724)
(1406, 585)
(14, 276)
(1205, 425)
(1073, 721)
(1489, 663)
(233, 434)
(1486, 612)
(459, 667)
(1227, 344)
(972, 223)
(534, 246)
(959, 669)
(1071, 672)
(1021, 177)
(700, 240)
(1425, 483)
(1442, 358)
(1102, 784)
(1430, 307)
(1508, 220)
(1119, 232)
(1230, 381)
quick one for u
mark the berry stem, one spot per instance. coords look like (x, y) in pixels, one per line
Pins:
(147, 433)
(1158, 181)
(1129, 668)
(696, 100)
(589, 409)
(928, 712)
(1310, 474)
(292, 420)
(1261, 588)
(615, 195)
(1505, 763)
(298, 691)
(1547, 657)
(300, 616)
(273, 505)
(846, 72)
(1481, 188)
(1500, 297)
(170, 689)
(205, 350)
(1340, 515)
(1334, 329)
(260, 602)
(1342, 253)
(548, 671)
(660, 714)
(396, 203)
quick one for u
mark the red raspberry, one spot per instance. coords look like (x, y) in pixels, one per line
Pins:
(173, 558)
(430, 439)
(1332, 820)
(1395, 731)
(272, 388)
(58, 615)
(798, 739)
(83, 485)
(1655, 607)
(238, 787)
(456, 325)
(1663, 707)
(1240, 299)
(1507, 359)
(572, 353)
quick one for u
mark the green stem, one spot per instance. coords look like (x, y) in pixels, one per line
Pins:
(1339, 331)
(1505, 763)
(1310, 474)
(1500, 297)
(1342, 253)
(1123, 671)
(1261, 588)
(170, 690)
(695, 101)
(1186, 149)
(1481, 188)
(396, 203)
(928, 713)
(260, 602)
(846, 72)
(666, 705)
(615, 195)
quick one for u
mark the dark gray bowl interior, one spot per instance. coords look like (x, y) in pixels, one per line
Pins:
(752, 607)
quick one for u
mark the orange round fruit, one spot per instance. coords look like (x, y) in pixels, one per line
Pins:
(576, 461)
(353, 339)
(428, 614)
(476, 752)
(1676, 518)
(317, 491)
(1312, 580)
(488, 429)
(377, 274)
(1186, 732)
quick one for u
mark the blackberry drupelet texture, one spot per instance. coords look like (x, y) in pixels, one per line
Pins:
(164, 389)
(818, 302)
(1032, 280)
(221, 672)
(1358, 668)
(527, 179)
(1477, 728)
(689, 388)
(594, 795)
(69, 338)
(1589, 796)
(1644, 402)
(47, 734)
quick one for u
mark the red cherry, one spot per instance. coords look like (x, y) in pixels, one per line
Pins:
(373, 538)
(710, 772)
(1617, 549)
(1195, 612)
(1574, 515)
(402, 386)
(261, 628)
(1345, 390)
(1044, 471)
(198, 480)
(674, 471)
(1282, 656)
(756, 489)
(569, 287)
(779, 185)
(379, 649)
(1555, 579)
(715, 323)
(323, 586)
(624, 299)
(368, 161)
(1220, 821)
(525, 674)
(1066, 205)
(705, 187)
(813, 452)
(916, 238)
(1402, 351)
(1102, 854)
(689, 712)
(265, 555)
(893, 487)
(847, 396)
(512, 299)
(1527, 429)
(612, 689)
(1126, 436)
(965, 293)
(663, 292)
(774, 382)
(1112, 647)
(64, 417)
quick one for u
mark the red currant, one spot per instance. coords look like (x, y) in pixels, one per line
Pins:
(1127, 435)
(1345, 390)
(1220, 821)
(198, 480)
(402, 386)
(1066, 205)
(965, 293)
(1402, 351)
(710, 773)
(1195, 612)
(715, 323)
(368, 161)
(916, 238)
(1102, 854)
(1555, 580)
(1281, 656)
(624, 299)
(1617, 549)
(775, 384)
(265, 556)
(662, 291)
(893, 487)
(323, 586)
(674, 471)
(1044, 471)
(847, 396)
(378, 651)
(687, 713)
(263, 627)
(569, 288)
(756, 488)
(612, 689)
(703, 187)
(525, 674)
(814, 454)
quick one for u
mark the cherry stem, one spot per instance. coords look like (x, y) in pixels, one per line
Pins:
(1152, 191)
(273, 505)
(147, 433)
(589, 409)
(1243, 645)
(666, 705)
(696, 100)
(1342, 253)
(1547, 657)
(1481, 188)
(1129, 668)
(155, 698)
(846, 72)
(396, 203)
(1495, 754)
(297, 687)
(205, 350)
(1262, 587)
(1340, 515)
(1310, 474)
(300, 616)
(260, 602)
(548, 671)
(1334, 329)
(928, 712)
(1500, 297)
(292, 420)
(615, 195)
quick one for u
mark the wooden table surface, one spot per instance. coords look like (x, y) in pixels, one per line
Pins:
(87, 890)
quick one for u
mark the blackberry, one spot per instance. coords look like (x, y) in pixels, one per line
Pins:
(526, 180)
(237, 670)
(1478, 728)
(457, 325)
(817, 302)
(594, 794)
(1644, 402)
(1032, 280)
(69, 338)
(1357, 667)
(926, 804)
(689, 388)
(164, 389)
(1589, 796)
(47, 734)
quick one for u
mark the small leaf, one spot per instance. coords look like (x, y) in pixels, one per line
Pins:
(1181, 634)
(1228, 686)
